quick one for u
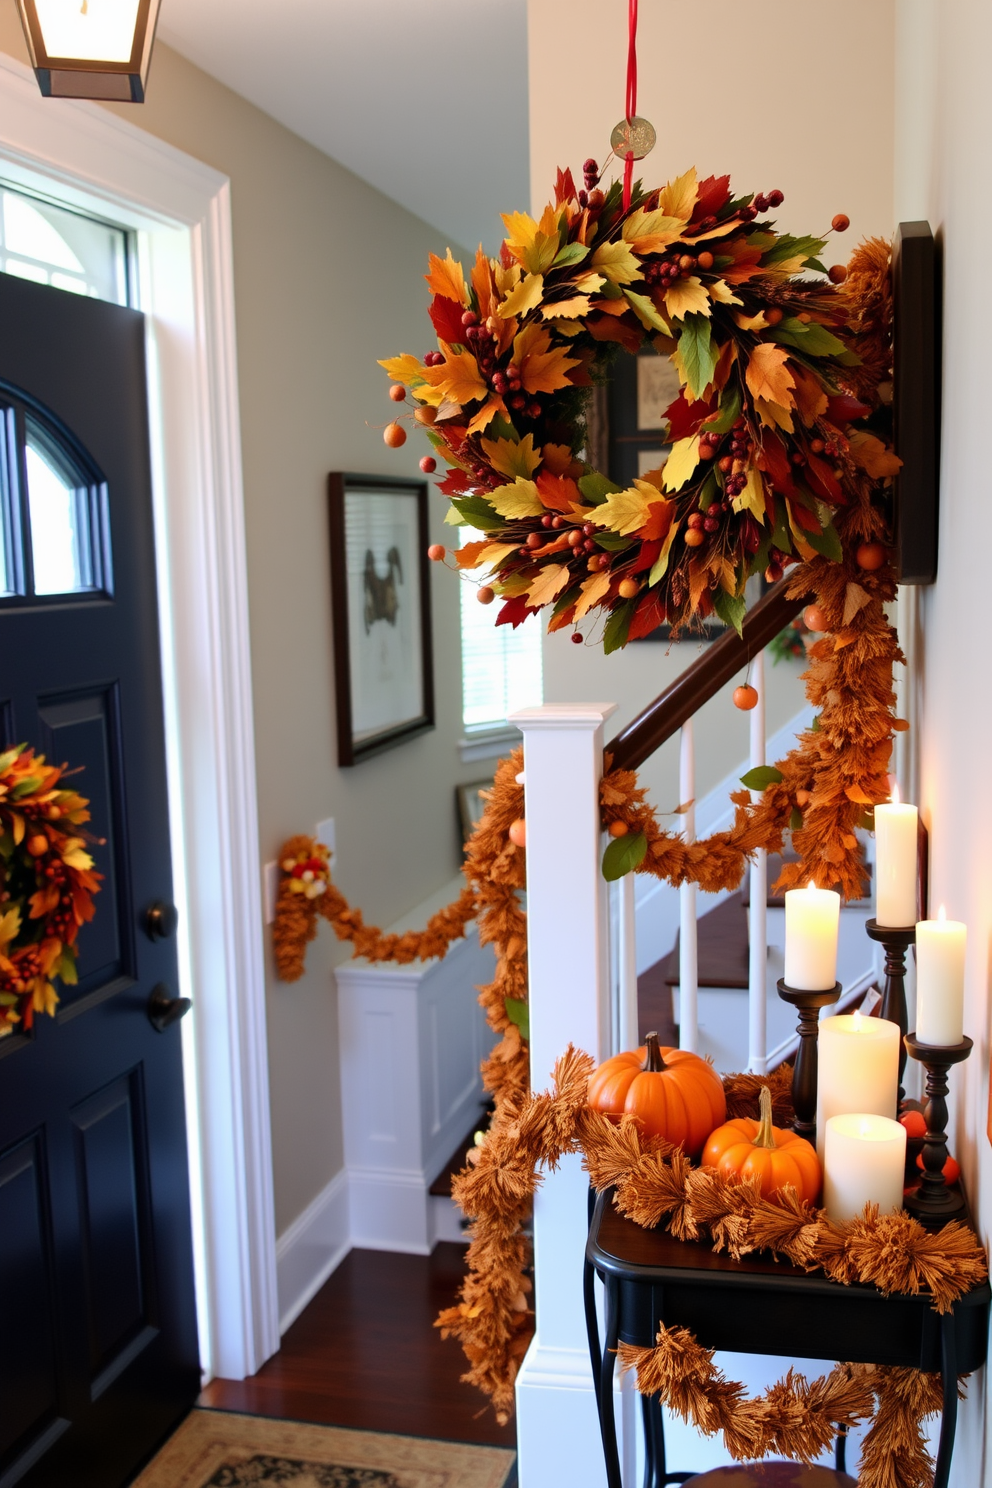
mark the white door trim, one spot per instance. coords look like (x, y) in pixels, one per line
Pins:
(181, 210)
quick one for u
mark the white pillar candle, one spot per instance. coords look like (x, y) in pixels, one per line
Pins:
(858, 1069)
(896, 829)
(864, 1164)
(940, 948)
(812, 920)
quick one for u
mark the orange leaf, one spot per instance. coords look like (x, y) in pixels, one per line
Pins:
(875, 458)
(458, 377)
(856, 794)
(543, 369)
(447, 278)
(557, 492)
(767, 375)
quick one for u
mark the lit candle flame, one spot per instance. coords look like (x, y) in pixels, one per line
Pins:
(865, 1130)
(857, 1020)
(942, 914)
(811, 884)
(895, 797)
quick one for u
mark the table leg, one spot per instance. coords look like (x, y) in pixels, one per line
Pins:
(949, 1416)
(840, 1450)
(607, 1415)
(654, 1442)
(592, 1324)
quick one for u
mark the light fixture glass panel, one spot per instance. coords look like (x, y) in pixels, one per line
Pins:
(90, 30)
(61, 546)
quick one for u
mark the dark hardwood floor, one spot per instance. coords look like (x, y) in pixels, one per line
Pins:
(365, 1353)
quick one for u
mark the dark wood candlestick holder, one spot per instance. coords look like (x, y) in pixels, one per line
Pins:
(804, 1071)
(897, 941)
(933, 1203)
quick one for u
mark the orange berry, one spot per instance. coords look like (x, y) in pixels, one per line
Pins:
(425, 414)
(745, 698)
(436, 552)
(485, 595)
(397, 392)
(815, 618)
(837, 273)
(841, 222)
(618, 829)
(900, 725)
(518, 832)
(773, 315)
(695, 537)
(705, 259)
(870, 556)
(629, 588)
(804, 316)
(428, 464)
(37, 846)
(394, 435)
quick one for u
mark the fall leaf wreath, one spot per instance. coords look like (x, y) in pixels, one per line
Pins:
(780, 458)
(47, 884)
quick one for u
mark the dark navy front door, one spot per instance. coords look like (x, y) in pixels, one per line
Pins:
(98, 1350)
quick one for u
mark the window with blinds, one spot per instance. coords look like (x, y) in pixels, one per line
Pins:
(501, 667)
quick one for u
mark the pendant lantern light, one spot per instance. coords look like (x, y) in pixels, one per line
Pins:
(90, 48)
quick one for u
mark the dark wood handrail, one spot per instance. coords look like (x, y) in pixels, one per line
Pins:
(703, 680)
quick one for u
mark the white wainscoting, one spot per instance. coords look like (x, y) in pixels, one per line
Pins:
(315, 1243)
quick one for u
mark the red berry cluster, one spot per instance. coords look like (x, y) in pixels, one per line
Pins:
(433, 358)
(734, 465)
(63, 919)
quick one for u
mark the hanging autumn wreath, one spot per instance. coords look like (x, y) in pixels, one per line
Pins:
(47, 884)
(768, 436)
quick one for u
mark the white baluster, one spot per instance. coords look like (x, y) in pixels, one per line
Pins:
(688, 942)
(758, 920)
(626, 922)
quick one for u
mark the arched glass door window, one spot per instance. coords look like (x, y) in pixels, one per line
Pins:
(54, 520)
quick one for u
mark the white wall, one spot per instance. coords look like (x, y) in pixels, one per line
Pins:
(782, 93)
(944, 124)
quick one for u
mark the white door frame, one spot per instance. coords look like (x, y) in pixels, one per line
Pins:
(180, 208)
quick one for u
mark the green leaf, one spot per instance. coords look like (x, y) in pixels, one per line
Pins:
(814, 263)
(731, 608)
(9, 756)
(826, 542)
(612, 541)
(518, 1012)
(789, 247)
(66, 968)
(815, 725)
(563, 601)
(25, 787)
(782, 535)
(813, 339)
(572, 253)
(473, 511)
(645, 311)
(729, 412)
(796, 819)
(501, 428)
(617, 627)
(6, 845)
(761, 777)
(595, 487)
(610, 291)
(623, 855)
(697, 353)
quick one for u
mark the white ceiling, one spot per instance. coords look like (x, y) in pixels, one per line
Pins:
(427, 101)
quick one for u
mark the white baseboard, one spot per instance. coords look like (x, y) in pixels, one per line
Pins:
(314, 1245)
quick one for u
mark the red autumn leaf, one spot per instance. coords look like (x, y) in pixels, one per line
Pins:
(823, 481)
(686, 418)
(455, 483)
(515, 611)
(557, 492)
(844, 409)
(650, 551)
(564, 187)
(775, 462)
(607, 328)
(804, 519)
(447, 318)
(650, 613)
(713, 193)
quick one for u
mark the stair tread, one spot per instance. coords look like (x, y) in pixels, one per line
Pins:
(723, 948)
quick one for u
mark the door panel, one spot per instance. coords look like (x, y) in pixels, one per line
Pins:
(98, 1351)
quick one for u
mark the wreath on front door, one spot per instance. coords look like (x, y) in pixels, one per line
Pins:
(47, 884)
(776, 429)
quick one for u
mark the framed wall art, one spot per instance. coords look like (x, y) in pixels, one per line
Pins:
(380, 604)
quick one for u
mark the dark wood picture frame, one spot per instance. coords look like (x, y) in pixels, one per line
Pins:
(916, 400)
(339, 486)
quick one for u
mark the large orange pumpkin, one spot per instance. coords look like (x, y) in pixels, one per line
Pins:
(757, 1150)
(673, 1094)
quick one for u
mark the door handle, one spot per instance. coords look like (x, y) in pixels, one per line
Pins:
(161, 920)
(164, 1009)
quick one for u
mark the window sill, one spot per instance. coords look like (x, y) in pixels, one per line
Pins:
(488, 743)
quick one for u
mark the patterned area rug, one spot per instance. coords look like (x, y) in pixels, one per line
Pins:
(215, 1449)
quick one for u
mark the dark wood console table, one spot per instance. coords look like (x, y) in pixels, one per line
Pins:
(650, 1277)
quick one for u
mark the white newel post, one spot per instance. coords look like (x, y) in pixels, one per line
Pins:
(568, 959)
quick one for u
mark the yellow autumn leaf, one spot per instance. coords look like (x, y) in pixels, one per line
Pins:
(543, 368)
(681, 462)
(485, 415)
(679, 197)
(512, 458)
(17, 827)
(624, 511)
(566, 309)
(447, 278)
(722, 294)
(76, 857)
(773, 415)
(10, 924)
(533, 244)
(589, 283)
(405, 369)
(549, 583)
(647, 312)
(660, 566)
(526, 296)
(650, 232)
(519, 499)
(767, 375)
(687, 297)
(567, 328)
(750, 322)
(592, 590)
(874, 457)
(752, 498)
(616, 262)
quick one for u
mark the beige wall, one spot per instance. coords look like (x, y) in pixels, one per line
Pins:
(327, 279)
(782, 93)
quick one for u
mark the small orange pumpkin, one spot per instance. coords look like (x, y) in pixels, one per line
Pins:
(752, 1149)
(673, 1094)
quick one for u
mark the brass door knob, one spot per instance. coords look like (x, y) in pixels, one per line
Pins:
(161, 920)
(164, 1009)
